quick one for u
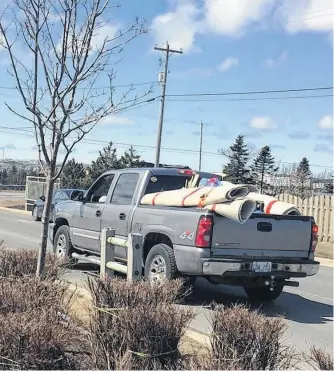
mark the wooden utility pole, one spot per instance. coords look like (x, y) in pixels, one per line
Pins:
(200, 147)
(168, 52)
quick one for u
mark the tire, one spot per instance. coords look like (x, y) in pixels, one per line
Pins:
(62, 245)
(160, 263)
(263, 293)
(34, 214)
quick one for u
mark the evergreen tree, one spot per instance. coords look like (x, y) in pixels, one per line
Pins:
(73, 175)
(264, 164)
(329, 186)
(303, 177)
(237, 170)
(130, 158)
(107, 160)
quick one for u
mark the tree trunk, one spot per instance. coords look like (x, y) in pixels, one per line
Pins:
(262, 178)
(45, 223)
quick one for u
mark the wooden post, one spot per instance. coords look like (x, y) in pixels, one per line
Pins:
(135, 257)
(107, 252)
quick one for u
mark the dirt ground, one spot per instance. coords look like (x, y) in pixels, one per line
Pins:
(12, 203)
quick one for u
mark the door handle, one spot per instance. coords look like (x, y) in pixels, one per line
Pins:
(98, 213)
(122, 216)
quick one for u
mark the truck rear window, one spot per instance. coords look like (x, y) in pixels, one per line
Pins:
(163, 183)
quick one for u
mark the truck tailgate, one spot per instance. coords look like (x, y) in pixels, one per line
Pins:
(263, 235)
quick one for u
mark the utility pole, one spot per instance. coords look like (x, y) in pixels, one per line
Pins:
(200, 147)
(168, 52)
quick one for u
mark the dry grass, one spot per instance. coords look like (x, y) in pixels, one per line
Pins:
(244, 339)
(320, 359)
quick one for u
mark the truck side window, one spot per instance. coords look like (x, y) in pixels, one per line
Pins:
(100, 188)
(124, 189)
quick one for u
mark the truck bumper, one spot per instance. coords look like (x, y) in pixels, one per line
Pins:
(198, 262)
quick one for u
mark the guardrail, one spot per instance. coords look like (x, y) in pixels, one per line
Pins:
(133, 245)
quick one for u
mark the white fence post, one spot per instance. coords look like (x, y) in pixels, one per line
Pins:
(135, 257)
(107, 252)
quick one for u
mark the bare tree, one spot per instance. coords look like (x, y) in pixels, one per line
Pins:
(60, 53)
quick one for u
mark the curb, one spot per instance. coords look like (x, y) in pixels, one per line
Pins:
(17, 211)
(325, 262)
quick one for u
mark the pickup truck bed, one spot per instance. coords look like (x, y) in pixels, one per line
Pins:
(260, 255)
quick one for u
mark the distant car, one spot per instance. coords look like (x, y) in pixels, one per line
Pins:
(58, 196)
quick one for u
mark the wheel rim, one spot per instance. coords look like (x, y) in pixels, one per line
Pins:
(61, 247)
(158, 270)
(35, 213)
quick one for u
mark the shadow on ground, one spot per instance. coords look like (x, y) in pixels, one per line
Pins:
(291, 306)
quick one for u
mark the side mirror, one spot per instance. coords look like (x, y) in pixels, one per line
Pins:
(42, 198)
(102, 199)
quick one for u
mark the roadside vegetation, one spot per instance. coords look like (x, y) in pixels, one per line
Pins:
(127, 326)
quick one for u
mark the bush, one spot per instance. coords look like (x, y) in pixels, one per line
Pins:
(35, 329)
(19, 295)
(244, 339)
(36, 340)
(133, 324)
(21, 263)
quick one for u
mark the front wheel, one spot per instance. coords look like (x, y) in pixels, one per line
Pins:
(160, 263)
(62, 245)
(263, 293)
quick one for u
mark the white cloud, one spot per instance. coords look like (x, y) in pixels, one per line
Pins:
(231, 17)
(178, 27)
(187, 19)
(272, 62)
(306, 15)
(326, 123)
(262, 123)
(116, 120)
(228, 63)
(101, 34)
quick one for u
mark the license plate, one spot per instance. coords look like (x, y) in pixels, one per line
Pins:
(261, 267)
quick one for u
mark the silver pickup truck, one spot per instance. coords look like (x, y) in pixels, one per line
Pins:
(261, 255)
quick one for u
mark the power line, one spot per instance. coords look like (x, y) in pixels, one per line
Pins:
(166, 149)
(249, 92)
(250, 99)
(95, 88)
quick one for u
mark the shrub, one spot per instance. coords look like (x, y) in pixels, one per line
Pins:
(133, 324)
(245, 339)
(36, 340)
(21, 263)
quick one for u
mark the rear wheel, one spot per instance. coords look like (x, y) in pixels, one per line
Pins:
(160, 263)
(35, 214)
(263, 293)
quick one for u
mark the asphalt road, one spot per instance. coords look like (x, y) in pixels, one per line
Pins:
(308, 309)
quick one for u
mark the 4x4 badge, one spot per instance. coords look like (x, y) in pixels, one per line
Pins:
(187, 235)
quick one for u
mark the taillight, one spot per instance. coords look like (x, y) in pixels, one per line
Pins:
(186, 172)
(315, 231)
(204, 230)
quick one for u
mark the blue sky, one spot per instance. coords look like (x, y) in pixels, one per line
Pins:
(229, 46)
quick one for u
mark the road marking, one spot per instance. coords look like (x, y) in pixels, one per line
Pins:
(25, 221)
